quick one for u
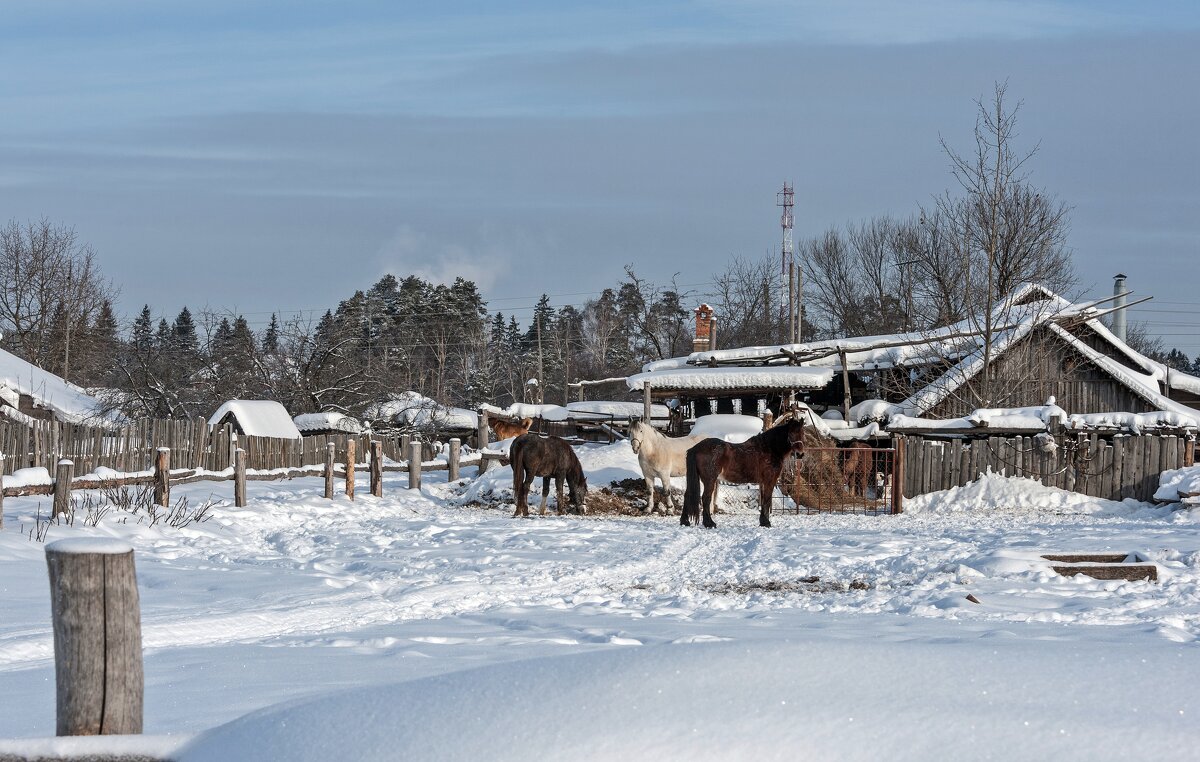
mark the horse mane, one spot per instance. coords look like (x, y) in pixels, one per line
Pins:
(775, 439)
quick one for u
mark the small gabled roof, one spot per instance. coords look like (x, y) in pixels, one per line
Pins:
(258, 418)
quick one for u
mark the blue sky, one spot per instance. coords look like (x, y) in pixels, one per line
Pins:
(276, 156)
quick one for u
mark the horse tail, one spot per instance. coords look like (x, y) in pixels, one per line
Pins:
(691, 495)
(517, 461)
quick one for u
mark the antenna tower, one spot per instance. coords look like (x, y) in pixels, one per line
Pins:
(786, 199)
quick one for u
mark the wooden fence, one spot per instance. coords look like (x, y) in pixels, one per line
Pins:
(193, 444)
(1114, 468)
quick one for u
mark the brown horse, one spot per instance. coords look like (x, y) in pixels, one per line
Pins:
(758, 460)
(548, 457)
(506, 429)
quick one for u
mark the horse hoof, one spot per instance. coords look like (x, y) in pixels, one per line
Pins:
(765, 524)
(710, 524)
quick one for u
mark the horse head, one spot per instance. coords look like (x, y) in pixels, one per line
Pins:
(637, 435)
(795, 435)
(577, 486)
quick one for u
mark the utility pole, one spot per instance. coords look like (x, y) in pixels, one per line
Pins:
(786, 199)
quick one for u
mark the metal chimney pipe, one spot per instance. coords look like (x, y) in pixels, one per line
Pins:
(1118, 316)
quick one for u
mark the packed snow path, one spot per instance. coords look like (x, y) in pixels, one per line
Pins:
(295, 594)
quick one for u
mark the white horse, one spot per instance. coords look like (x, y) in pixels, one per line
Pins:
(660, 456)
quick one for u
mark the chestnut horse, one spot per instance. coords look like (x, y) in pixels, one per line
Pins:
(506, 429)
(549, 458)
(758, 460)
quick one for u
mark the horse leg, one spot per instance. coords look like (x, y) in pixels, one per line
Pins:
(523, 495)
(710, 494)
(651, 497)
(765, 492)
(668, 499)
(546, 494)
(562, 500)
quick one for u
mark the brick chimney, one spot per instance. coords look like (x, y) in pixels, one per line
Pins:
(705, 335)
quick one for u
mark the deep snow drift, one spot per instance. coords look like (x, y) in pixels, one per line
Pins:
(295, 596)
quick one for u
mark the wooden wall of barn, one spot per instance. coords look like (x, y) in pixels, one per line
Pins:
(1039, 367)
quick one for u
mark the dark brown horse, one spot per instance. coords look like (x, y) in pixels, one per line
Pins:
(549, 458)
(758, 460)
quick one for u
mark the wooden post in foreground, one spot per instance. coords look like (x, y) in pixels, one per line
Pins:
(162, 477)
(376, 468)
(97, 637)
(414, 465)
(62, 486)
(898, 476)
(239, 477)
(481, 438)
(350, 447)
(330, 456)
(646, 403)
(405, 442)
(452, 459)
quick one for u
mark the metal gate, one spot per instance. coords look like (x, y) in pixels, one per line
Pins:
(854, 479)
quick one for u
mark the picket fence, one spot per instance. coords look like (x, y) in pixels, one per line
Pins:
(1113, 467)
(193, 443)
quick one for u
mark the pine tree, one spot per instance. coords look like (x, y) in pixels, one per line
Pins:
(143, 331)
(270, 342)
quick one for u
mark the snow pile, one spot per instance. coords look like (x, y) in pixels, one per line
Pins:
(727, 426)
(258, 418)
(996, 493)
(872, 411)
(416, 410)
(1180, 485)
(520, 410)
(614, 409)
(1135, 423)
(327, 422)
(803, 698)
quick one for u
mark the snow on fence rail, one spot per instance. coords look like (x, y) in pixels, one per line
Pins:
(1115, 469)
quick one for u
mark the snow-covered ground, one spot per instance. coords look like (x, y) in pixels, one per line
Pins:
(296, 596)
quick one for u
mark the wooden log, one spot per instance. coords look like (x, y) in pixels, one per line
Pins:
(350, 442)
(414, 466)
(162, 477)
(406, 444)
(646, 404)
(63, 474)
(898, 477)
(376, 468)
(481, 438)
(97, 637)
(239, 477)
(451, 458)
(330, 455)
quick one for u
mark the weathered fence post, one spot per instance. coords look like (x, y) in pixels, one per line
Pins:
(376, 468)
(898, 476)
(330, 456)
(414, 465)
(646, 406)
(239, 477)
(350, 447)
(481, 438)
(162, 477)
(405, 442)
(452, 459)
(97, 637)
(63, 473)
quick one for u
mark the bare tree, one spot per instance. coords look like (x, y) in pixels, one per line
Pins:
(51, 291)
(1004, 231)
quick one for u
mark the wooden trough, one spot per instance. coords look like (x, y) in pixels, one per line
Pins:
(1130, 566)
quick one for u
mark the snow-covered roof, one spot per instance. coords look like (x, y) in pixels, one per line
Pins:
(728, 426)
(579, 411)
(65, 400)
(771, 378)
(327, 422)
(960, 345)
(258, 418)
